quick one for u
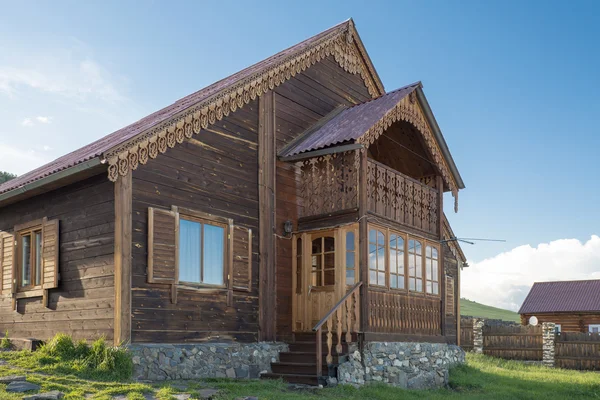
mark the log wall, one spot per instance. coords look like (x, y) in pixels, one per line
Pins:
(82, 305)
(569, 322)
(214, 172)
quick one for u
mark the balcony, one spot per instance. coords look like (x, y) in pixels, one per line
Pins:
(402, 199)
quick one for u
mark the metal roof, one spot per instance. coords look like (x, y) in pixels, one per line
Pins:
(99, 147)
(563, 296)
(349, 124)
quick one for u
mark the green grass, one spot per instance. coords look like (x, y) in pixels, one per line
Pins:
(481, 378)
(474, 309)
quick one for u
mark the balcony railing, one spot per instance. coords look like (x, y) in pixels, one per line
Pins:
(400, 198)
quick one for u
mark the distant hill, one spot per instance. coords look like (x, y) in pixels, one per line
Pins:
(474, 309)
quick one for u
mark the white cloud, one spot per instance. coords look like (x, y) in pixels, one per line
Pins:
(27, 122)
(504, 280)
(44, 120)
(18, 161)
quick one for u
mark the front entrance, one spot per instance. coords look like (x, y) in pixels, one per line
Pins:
(325, 263)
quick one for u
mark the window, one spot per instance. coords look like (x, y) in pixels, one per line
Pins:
(323, 261)
(557, 329)
(201, 252)
(29, 247)
(376, 258)
(431, 270)
(594, 328)
(415, 265)
(299, 266)
(350, 258)
(396, 261)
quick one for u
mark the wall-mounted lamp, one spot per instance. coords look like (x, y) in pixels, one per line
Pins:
(288, 227)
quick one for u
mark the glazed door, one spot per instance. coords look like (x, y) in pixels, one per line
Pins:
(319, 278)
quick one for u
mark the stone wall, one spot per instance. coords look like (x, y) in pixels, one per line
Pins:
(210, 360)
(548, 343)
(406, 365)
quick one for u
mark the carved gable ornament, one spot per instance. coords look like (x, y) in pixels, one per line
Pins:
(343, 44)
(409, 110)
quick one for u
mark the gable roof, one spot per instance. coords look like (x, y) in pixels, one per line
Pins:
(562, 296)
(124, 149)
(349, 124)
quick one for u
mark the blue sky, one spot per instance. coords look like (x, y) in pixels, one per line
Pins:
(514, 87)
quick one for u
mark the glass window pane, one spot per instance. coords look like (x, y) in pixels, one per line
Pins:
(393, 261)
(26, 260)
(419, 285)
(411, 284)
(350, 277)
(435, 288)
(428, 287)
(373, 277)
(400, 282)
(381, 279)
(418, 267)
(299, 247)
(428, 268)
(329, 261)
(411, 246)
(380, 239)
(317, 246)
(393, 281)
(38, 258)
(329, 277)
(372, 256)
(381, 259)
(418, 248)
(214, 248)
(434, 253)
(393, 241)
(316, 262)
(329, 244)
(189, 251)
(350, 260)
(435, 271)
(372, 236)
(350, 241)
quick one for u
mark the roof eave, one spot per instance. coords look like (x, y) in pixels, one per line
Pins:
(71, 172)
(439, 137)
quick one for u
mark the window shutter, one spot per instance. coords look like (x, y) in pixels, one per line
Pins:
(50, 250)
(242, 259)
(163, 249)
(7, 245)
(449, 295)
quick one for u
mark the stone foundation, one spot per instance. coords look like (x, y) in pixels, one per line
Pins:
(406, 365)
(211, 360)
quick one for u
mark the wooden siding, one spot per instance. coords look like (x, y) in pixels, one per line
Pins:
(299, 103)
(451, 317)
(569, 322)
(215, 172)
(82, 304)
(513, 342)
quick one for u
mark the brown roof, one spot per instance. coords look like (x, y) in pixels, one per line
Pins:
(349, 124)
(101, 146)
(565, 296)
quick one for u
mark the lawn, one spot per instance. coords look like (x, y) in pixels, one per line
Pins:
(474, 309)
(481, 377)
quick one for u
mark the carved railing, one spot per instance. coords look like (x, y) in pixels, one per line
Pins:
(391, 312)
(330, 183)
(345, 315)
(403, 199)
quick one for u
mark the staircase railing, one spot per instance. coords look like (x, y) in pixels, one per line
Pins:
(350, 304)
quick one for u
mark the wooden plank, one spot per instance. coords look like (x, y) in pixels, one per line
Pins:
(266, 220)
(122, 264)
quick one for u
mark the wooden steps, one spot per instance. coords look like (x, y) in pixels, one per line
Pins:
(299, 365)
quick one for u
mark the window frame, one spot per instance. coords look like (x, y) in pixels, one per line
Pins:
(322, 235)
(387, 232)
(355, 251)
(383, 231)
(22, 230)
(207, 219)
(437, 260)
(590, 326)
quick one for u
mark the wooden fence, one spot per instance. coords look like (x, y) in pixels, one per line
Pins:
(577, 350)
(466, 334)
(513, 342)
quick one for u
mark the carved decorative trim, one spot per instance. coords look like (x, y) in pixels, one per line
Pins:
(454, 245)
(147, 145)
(411, 112)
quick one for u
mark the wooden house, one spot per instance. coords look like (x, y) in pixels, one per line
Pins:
(574, 306)
(294, 196)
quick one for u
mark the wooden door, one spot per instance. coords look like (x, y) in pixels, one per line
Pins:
(319, 279)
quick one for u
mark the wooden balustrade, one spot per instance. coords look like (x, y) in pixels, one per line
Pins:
(400, 198)
(343, 316)
(391, 312)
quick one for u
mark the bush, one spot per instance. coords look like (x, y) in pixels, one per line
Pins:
(97, 360)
